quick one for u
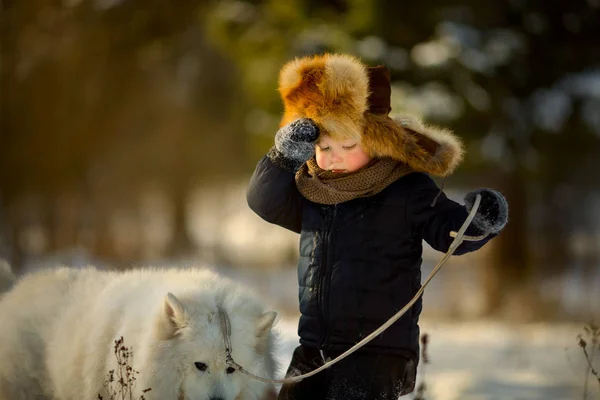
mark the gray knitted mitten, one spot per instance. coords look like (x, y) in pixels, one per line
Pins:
(294, 144)
(492, 214)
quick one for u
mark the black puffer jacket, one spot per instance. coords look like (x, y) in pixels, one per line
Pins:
(360, 261)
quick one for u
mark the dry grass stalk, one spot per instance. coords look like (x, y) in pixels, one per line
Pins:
(420, 392)
(592, 334)
(120, 383)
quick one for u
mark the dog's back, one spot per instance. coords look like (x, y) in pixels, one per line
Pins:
(27, 314)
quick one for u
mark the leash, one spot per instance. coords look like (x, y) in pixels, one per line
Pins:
(459, 237)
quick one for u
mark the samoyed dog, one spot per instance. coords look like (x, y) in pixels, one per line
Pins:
(58, 330)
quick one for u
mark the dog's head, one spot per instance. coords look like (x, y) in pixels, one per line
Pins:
(192, 350)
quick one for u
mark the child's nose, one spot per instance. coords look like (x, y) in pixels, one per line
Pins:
(335, 157)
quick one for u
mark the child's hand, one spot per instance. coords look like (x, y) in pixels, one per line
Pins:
(492, 214)
(294, 144)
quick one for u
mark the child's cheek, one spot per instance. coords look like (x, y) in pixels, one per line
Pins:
(321, 159)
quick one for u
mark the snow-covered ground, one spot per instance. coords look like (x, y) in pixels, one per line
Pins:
(489, 360)
(475, 360)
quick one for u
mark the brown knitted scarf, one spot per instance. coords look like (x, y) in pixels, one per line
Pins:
(326, 187)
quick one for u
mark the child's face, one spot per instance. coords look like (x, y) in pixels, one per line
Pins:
(340, 156)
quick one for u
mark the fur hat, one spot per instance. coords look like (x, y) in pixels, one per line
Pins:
(347, 99)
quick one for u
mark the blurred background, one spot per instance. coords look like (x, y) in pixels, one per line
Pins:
(129, 130)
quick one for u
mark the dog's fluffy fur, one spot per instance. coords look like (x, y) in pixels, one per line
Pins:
(333, 91)
(59, 326)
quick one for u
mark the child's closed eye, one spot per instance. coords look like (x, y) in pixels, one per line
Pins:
(323, 148)
(349, 147)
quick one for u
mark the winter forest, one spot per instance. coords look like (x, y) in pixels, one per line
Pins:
(129, 130)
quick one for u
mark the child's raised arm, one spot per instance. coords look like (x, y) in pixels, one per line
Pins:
(272, 192)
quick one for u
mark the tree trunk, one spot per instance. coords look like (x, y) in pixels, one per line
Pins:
(181, 244)
(508, 272)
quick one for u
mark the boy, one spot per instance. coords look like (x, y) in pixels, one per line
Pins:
(354, 183)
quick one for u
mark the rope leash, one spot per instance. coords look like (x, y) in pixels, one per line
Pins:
(459, 237)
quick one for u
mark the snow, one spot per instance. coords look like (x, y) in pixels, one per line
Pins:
(491, 360)
(475, 359)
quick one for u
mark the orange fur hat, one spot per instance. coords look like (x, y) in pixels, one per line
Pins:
(347, 99)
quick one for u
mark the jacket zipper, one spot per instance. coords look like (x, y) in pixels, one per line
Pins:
(325, 278)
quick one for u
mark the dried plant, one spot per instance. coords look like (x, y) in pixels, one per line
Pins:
(420, 392)
(120, 383)
(589, 342)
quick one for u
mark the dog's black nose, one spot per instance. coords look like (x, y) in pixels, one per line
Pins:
(216, 398)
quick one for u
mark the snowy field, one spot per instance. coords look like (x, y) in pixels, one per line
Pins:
(493, 361)
(477, 360)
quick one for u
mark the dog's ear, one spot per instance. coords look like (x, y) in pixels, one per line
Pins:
(264, 324)
(174, 316)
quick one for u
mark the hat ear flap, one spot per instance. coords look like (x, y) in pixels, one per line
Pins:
(422, 144)
(424, 148)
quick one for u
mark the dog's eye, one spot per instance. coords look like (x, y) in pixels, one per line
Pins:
(201, 366)
(230, 370)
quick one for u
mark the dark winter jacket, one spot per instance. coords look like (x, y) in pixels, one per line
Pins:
(360, 261)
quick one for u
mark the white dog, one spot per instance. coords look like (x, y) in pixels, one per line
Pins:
(58, 330)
